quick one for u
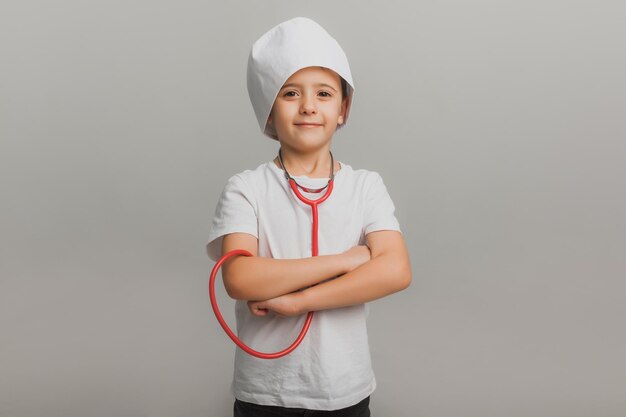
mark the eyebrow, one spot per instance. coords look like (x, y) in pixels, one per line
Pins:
(317, 85)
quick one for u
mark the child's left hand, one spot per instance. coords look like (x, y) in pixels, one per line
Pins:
(286, 305)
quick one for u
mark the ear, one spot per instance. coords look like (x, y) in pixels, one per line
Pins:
(342, 113)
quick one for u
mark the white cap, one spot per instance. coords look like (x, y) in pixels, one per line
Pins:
(283, 50)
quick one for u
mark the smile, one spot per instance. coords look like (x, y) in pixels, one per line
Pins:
(308, 125)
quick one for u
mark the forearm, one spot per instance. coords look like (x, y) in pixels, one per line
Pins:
(382, 276)
(259, 278)
(388, 271)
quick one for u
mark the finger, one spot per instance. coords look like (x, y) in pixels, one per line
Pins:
(256, 309)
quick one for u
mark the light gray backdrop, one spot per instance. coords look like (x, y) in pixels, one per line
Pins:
(498, 127)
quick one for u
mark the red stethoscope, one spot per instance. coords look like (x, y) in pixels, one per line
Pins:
(313, 203)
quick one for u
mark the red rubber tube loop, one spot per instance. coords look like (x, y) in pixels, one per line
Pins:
(240, 252)
(227, 329)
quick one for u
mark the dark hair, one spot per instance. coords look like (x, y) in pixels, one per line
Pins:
(344, 84)
(344, 88)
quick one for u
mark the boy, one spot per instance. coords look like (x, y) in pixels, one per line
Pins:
(301, 90)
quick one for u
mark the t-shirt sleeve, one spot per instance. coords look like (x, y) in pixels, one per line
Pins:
(379, 208)
(235, 212)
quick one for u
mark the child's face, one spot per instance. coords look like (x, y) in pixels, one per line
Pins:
(308, 108)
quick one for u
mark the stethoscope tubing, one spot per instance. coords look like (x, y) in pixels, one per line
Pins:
(242, 252)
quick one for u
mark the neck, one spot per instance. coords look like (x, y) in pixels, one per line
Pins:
(313, 165)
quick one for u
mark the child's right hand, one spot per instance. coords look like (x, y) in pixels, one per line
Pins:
(356, 256)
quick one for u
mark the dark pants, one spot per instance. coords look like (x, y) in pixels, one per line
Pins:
(244, 409)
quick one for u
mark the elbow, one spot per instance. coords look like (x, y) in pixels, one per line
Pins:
(397, 273)
(404, 280)
(240, 285)
(239, 289)
(234, 291)
(403, 275)
(233, 283)
(230, 285)
(407, 279)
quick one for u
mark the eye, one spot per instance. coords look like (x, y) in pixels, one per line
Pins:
(326, 94)
(289, 93)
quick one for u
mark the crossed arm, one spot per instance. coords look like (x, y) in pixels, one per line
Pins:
(288, 286)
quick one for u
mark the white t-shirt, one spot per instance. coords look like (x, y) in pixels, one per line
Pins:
(331, 369)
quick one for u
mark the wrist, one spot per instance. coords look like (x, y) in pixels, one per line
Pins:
(301, 300)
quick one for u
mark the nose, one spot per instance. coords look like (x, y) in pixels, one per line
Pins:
(307, 104)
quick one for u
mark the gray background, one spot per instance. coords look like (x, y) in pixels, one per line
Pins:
(498, 127)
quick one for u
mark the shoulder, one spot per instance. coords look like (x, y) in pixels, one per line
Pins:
(367, 184)
(363, 177)
(250, 177)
